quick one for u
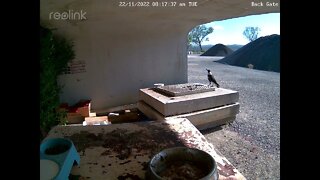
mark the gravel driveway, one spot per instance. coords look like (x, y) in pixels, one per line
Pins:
(252, 142)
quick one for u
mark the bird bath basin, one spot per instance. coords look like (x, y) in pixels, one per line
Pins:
(183, 89)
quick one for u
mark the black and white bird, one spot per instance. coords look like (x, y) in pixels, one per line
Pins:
(211, 79)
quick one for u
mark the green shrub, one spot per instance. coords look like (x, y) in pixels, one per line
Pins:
(55, 53)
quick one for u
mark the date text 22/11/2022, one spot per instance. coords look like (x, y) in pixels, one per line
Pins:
(156, 4)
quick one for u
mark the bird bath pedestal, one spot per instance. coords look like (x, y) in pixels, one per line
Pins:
(204, 106)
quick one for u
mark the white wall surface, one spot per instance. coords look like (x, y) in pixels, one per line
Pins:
(129, 48)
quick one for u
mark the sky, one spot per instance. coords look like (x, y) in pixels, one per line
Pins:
(229, 31)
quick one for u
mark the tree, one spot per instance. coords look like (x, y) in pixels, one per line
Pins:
(251, 33)
(189, 40)
(198, 34)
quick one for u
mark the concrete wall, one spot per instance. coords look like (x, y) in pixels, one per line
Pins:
(118, 65)
(129, 48)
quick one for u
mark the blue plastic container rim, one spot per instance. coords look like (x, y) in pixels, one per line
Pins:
(51, 142)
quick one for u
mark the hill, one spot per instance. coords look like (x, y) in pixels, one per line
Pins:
(195, 48)
(218, 50)
(234, 47)
(263, 54)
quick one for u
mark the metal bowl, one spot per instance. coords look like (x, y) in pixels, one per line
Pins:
(184, 163)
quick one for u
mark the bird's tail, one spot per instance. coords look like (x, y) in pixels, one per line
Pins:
(217, 85)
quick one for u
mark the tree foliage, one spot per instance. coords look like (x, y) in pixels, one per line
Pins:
(251, 33)
(55, 53)
(198, 34)
(189, 40)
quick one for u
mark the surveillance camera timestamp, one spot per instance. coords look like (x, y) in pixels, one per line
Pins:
(156, 4)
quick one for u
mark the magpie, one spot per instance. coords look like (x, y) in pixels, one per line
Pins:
(211, 79)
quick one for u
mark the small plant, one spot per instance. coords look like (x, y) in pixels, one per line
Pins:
(55, 53)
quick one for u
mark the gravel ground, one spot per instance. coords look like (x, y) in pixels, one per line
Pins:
(252, 142)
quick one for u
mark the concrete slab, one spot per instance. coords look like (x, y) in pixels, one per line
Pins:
(201, 119)
(150, 112)
(169, 106)
(119, 150)
(212, 124)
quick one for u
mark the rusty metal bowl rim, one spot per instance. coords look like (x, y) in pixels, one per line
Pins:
(212, 174)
